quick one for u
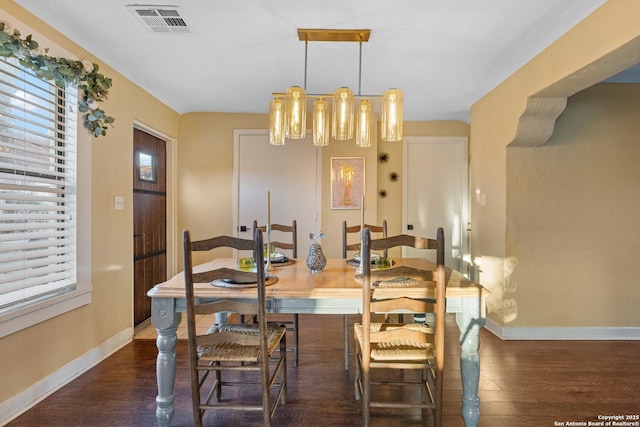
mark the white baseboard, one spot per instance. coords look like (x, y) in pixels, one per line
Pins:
(23, 401)
(563, 333)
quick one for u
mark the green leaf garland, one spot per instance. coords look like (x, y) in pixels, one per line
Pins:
(62, 71)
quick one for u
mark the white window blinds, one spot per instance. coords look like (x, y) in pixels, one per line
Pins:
(37, 187)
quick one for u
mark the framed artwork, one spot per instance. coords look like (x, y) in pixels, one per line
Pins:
(347, 182)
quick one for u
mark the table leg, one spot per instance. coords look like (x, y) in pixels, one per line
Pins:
(166, 321)
(345, 332)
(470, 322)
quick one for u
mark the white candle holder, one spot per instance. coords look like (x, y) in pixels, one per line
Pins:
(268, 267)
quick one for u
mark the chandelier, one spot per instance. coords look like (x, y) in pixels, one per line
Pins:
(349, 112)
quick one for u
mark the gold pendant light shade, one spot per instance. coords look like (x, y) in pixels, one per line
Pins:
(364, 124)
(391, 119)
(335, 112)
(342, 122)
(295, 114)
(321, 123)
(276, 122)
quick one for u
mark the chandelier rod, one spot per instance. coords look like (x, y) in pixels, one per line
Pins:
(306, 48)
(360, 68)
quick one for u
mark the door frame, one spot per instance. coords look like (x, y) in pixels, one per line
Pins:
(171, 153)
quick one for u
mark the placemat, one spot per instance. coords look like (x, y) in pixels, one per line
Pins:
(398, 282)
(287, 261)
(352, 262)
(221, 283)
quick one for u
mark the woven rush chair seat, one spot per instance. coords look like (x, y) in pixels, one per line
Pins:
(400, 349)
(234, 352)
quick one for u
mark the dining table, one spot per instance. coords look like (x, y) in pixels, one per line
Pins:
(334, 290)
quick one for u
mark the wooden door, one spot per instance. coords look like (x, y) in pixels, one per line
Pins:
(437, 195)
(149, 219)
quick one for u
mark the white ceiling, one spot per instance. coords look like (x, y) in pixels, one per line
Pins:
(444, 55)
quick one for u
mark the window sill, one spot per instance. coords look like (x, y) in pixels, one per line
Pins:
(25, 317)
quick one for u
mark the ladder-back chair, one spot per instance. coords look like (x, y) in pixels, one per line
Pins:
(225, 354)
(355, 230)
(382, 348)
(355, 246)
(291, 245)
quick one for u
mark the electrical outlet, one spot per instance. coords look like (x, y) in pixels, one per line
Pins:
(118, 203)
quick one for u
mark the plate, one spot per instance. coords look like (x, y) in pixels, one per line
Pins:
(356, 258)
(238, 282)
(278, 257)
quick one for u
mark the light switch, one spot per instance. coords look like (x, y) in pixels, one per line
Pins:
(118, 203)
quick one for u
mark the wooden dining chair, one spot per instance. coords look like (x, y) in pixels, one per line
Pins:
(283, 230)
(355, 230)
(383, 348)
(228, 351)
(355, 246)
(291, 245)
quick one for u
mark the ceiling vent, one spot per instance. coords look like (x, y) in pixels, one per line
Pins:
(161, 19)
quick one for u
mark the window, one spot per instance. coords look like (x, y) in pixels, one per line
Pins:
(146, 167)
(37, 189)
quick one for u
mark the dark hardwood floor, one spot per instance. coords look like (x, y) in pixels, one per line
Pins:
(522, 383)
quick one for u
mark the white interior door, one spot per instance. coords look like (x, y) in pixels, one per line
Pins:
(436, 193)
(291, 173)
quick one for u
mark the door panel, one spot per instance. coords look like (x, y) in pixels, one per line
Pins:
(435, 192)
(150, 224)
(291, 173)
(149, 220)
(147, 272)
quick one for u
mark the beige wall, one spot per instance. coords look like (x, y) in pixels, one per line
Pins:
(572, 209)
(30, 355)
(604, 43)
(205, 172)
